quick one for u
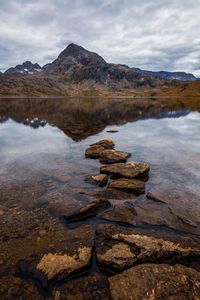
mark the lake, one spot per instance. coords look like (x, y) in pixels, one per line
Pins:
(43, 167)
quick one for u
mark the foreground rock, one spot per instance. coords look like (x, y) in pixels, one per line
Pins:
(59, 262)
(113, 156)
(128, 170)
(156, 282)
(99, 179)
(134, 186)
(118, 248)
(125, 214)
(94, 286)
(87, 211)
(95, 150)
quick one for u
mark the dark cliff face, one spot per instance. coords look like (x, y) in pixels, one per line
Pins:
(26, 68)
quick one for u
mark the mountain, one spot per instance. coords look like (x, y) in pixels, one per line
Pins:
(77, 64)
(172, 75)
(77, 71)
(26, 68)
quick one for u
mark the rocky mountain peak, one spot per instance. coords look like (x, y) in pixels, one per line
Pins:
(25, 68)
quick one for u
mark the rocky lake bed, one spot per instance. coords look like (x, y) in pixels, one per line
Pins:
(104, 210)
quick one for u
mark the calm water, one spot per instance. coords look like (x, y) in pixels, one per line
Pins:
(36, 142)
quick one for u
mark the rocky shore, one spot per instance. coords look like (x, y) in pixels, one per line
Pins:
(119, 242)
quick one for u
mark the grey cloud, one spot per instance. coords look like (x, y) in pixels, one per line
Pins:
(157, 35)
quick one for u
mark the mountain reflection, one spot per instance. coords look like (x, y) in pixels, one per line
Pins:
(79, 118)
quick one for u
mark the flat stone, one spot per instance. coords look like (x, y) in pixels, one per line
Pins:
(99, 179)
(127, 170)
(95, 150)
(87, 211)
(134, 186)
(113, 194)
(94, 286)
(158, 196)
(118, 248)
(57, 263)
(121, 213)
(106, 143)
(156, 282)
(113, 156)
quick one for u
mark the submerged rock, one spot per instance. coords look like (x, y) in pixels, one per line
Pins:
(57, 263)
(118, 248)
(94, 286)
(156, 281)
(95, 150)
(99, 179)
(134, 186)
(113, 156)
(121, 213)
(87, 211)
(127, 170)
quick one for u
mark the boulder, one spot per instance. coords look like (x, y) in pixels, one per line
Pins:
(156, 281)
(118, 248)
(87, 211)
(134, 186)
(111, 156)
(99, 179)
(127, 170)
(93, 286)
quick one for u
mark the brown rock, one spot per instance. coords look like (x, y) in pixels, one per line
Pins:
(94, 151)
(156, 281)
(118, 248)
(57, 263)
(134, 186)
(87, 211)
(99, 179)
(94, 286)
(106, 143)
(113, 156)
(127, 170)
(113, 194)
(121, 213)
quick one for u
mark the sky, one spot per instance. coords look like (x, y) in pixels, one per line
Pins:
(148, 34)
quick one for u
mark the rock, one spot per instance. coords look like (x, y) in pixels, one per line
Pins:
(121, 213)
(57, 263)
(156, 281)
(134, 186)
(158, 196)
(106, 143)
(127, 170)
(87, 211)
(94, 286)
(94, 151)
(113, 194)
(113, 156)
(118, 248)
(99, 179)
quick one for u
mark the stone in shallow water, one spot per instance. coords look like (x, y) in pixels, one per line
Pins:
(94, 151)
(121, 213)
(127, 170)
(118, 248)
(134, 186)
(87, 211)
(99, 179)
(94, 286)
(113, 156)
(106, 143)
(156, 281)
(113, 194)
(57, 263)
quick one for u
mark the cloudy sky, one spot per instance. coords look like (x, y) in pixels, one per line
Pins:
(149, 34)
